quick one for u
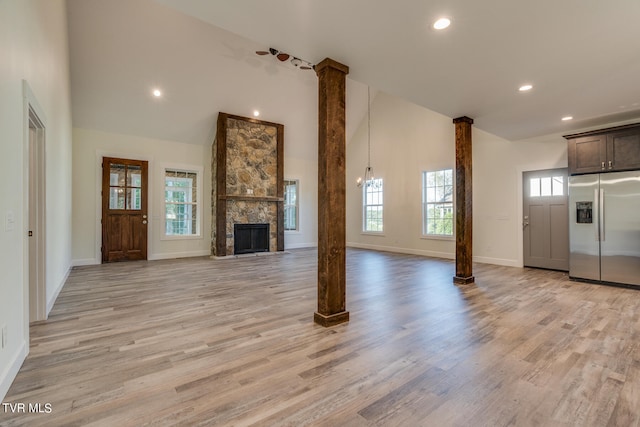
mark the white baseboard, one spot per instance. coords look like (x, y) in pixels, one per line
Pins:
(9, 374)
(445, 255)
(86, 261)
(156, 257)
(398, 250)
(51, 299)
(301, 246)
(497, 261)
(152, 257)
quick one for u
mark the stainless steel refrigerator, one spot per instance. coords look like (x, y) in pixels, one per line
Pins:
(604, 227)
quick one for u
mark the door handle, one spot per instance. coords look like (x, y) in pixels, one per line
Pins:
(602, 230)
(144, 221)
(525, 222)
(144, 216)
(596, 211)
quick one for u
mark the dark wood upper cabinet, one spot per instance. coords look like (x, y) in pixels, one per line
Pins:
(587, 154)
(604, 150)
(623, 150)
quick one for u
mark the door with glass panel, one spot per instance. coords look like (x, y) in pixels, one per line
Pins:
(124, 209)
(545, 219)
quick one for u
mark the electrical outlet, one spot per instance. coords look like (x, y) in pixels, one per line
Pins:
(4, 336)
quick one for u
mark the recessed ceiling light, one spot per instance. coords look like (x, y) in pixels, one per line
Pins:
(256, 113)
(442, 23)
(157, 93)
(567, 118)
(525, 88)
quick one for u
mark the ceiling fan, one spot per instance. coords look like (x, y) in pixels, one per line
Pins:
(282, 57)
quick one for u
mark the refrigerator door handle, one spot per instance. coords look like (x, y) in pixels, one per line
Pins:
(601, 216)
(596, 212)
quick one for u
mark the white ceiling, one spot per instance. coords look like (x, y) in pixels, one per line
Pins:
(582, 56)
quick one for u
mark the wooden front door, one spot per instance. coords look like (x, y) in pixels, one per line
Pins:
(124, 209)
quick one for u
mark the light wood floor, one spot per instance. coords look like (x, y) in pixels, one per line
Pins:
(232, 342)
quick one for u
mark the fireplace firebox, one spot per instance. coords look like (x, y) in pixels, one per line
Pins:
(250, 238)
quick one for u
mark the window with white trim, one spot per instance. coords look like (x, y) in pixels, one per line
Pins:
(437, 203)
(181, 204)
(291, 204)
(372, 206)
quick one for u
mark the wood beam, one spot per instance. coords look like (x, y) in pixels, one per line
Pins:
(331, 194)
(220, 157)
(464, 213)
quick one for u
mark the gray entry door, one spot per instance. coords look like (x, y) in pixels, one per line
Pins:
(546, 219)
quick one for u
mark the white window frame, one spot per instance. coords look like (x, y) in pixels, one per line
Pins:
(199, 171)
(425, 206)
(371, 184)
(295, 205)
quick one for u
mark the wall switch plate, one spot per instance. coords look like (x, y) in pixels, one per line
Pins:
(9, 221)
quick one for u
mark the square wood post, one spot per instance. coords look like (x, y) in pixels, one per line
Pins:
(464, 214)
(331, 194)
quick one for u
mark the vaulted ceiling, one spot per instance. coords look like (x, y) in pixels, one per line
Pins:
(581, 56)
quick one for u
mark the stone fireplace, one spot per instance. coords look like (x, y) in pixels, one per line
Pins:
(247, 165)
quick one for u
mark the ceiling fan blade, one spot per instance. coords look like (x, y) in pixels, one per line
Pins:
(262, 52)
(283, 56)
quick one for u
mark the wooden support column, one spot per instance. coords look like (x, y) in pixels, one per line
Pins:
(331, 194)
(464, 214)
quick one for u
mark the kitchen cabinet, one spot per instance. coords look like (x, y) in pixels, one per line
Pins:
(605, 150)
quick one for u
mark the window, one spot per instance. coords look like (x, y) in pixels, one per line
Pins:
(372, 205)
(437, 203)
(125, 187)
(181, 202)
(291, 204)
(546, 186)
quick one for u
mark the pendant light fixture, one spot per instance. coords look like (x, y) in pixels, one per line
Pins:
(368, 171)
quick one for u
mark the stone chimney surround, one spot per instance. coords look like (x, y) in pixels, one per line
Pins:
(248, 180)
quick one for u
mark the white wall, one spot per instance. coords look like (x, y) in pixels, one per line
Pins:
(305, 170)
(33, 42)
(406, 140)
(301, 153)
(89, 146)
(497, 191)
(497, 188)
(301, 163)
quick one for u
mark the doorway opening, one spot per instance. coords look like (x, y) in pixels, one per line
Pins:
(36, 218)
